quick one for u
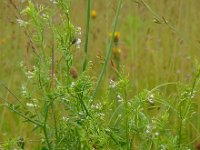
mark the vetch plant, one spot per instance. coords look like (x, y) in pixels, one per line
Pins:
(65, 105)
(48, 87)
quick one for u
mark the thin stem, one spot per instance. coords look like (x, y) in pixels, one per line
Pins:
(194, 83)
(87, 35)
(52, 86)
(83, 104)
(54, 119)
(44, 126)
(180, 125)
(127, 118)
(108, 50)
(12, 93)
(52, 65)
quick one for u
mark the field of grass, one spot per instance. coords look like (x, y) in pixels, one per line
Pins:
(117, 74)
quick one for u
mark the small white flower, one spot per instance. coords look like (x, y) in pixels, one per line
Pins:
(21, 22)
(35, 100)
(30, 74)
(34, 68)
(148, 126)
(54, 1)
(163, 147)
(72, 84)
(101, 115)
(113, 84)
(81, 113)
(78, 43)
(23, 90)
(151, 99)
(157, 134)
(65, 99)
(120, 99)
(78, 30)
(90, 100)
(31, 105)
(107, 130)
(151, 102)
(147, 131)
(21, 64)
(65, 118)
(151, 96)
(45, 16)
(97, 106)
(192, 95)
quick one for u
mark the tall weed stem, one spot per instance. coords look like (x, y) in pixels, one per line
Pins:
(108, 53)
(87, 35)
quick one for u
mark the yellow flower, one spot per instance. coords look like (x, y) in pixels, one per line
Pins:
(116, 51)
(116, 36)
(93, 14)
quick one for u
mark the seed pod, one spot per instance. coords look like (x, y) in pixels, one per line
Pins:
(73, 72)
(73, 41)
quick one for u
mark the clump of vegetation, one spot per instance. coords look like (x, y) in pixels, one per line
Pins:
(67, 106)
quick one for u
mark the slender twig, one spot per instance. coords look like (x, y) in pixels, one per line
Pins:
(26, 32)
(12, 93)
(108, 53)
(20, 114)
(162, 85)
(162, 20)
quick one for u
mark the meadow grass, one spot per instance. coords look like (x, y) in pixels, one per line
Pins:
(133, 84)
